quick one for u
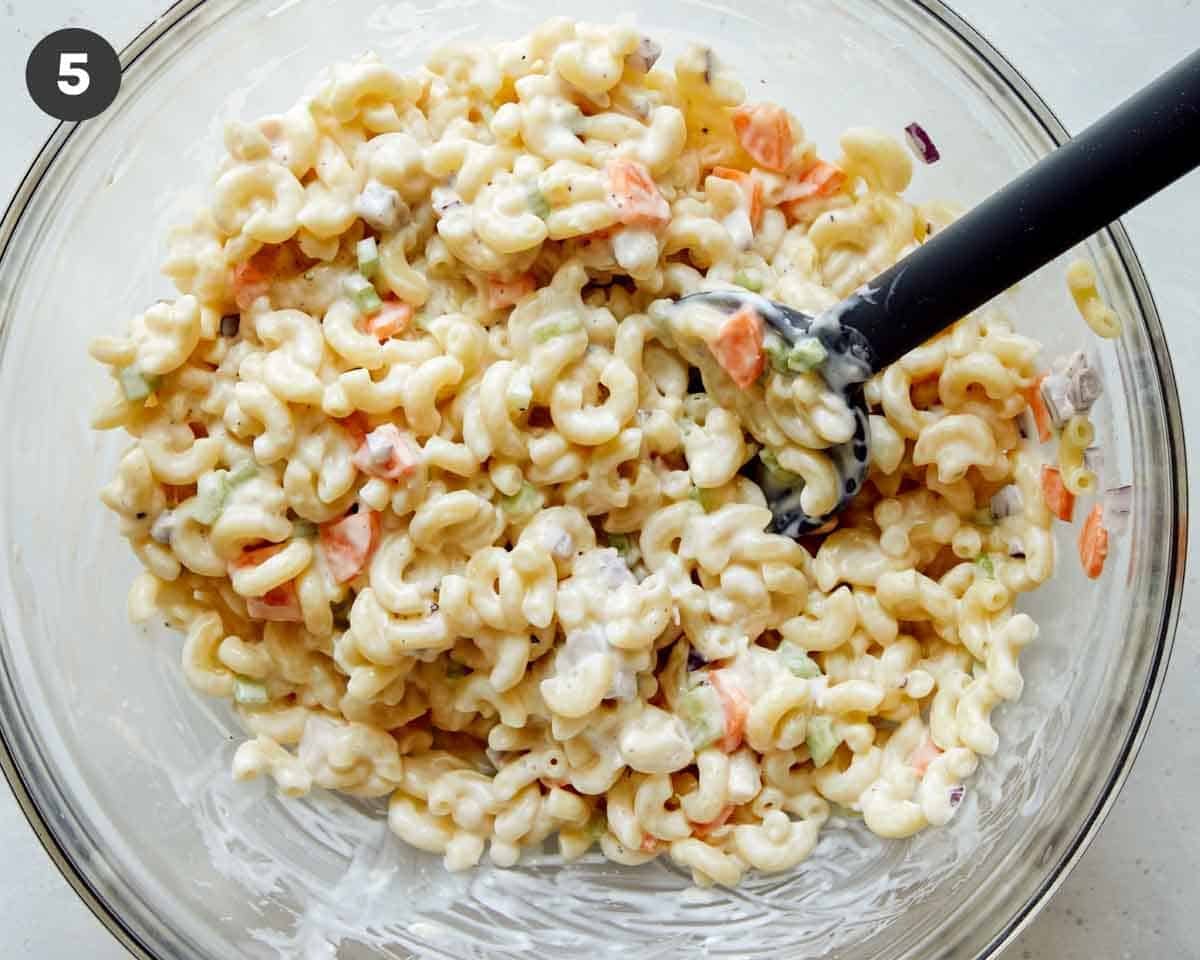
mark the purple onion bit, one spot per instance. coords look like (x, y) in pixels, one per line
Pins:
(695, 661)
(922, 144)
(956, 794)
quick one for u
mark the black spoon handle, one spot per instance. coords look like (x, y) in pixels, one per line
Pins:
(1145, 144)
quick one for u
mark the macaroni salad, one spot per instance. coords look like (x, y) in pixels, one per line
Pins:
(449, 497)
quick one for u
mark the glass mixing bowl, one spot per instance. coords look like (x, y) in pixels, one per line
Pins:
(124, 772)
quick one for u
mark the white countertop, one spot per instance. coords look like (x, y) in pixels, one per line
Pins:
(1136, 893)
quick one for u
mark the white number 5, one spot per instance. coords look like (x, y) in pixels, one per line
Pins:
(73, 78)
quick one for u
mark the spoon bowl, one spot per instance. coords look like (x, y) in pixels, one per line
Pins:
(847, 365)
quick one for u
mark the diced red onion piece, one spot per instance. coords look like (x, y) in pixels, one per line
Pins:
(1054, 396)
(922, 144)
(1006, 502)
(645, 56)
(379, 448)
(381, 207)
(1084, 390)
(957, 792)
(1118, 506)
(1070, 365)
(1093, 459)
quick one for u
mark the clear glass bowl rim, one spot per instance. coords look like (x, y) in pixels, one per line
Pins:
(1070, 854)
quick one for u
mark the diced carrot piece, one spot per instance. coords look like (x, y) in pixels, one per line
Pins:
(505, 293)
(739, 347)
(765, 132)
(751, 190)
(1041, 416)
(1059, 499)
(177, 494)
(393, 318)
(252, 558)
(401, 459)
(281, 605)
(348, 543)
(826, 178)
(253, 278)
(735, 706)
(635, 194)
(923, 756)
(1093, 542)
(704, 829)
(356, 425)
(820, 180)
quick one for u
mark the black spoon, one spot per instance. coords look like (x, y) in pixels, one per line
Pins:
(1141, 147)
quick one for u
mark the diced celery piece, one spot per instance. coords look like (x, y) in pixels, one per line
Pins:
(368, 257)
(363, 293)
(620, 543)
(822, 741)
(784, 478)
(701, 712)
(706, 498)
(749, 280)
(244, 471)
(302, 529)
(777, 353)
(554, 328)
(538, 202)
(136, 386)
(212, 489)
(524, 501)
(626, 546)
(249, 691)
(798, 661)
(984, 562)
(806, 354)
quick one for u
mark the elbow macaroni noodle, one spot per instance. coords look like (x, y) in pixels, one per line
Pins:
(566, 615)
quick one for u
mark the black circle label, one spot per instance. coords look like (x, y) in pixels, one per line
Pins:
(73, 74)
